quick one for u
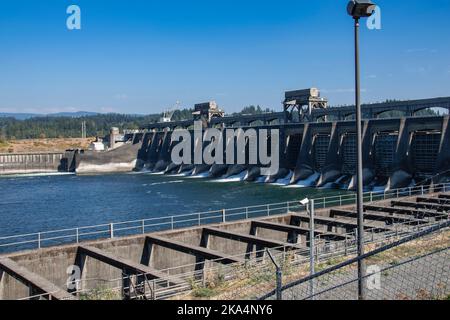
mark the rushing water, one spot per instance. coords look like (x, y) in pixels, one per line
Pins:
(41, 203)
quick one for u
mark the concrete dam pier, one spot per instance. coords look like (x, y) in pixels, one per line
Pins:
(317, 144)
(167, 257)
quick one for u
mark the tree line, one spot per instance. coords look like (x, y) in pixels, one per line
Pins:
(96, 125)
(69, 127)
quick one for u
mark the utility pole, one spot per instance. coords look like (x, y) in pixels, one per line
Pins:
(83, 130)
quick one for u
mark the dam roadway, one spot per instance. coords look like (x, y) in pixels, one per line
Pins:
(164, 258)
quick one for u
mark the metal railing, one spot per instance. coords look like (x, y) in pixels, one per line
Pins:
(51, 238)
(188, 281)
(113, 289)
(324, 250)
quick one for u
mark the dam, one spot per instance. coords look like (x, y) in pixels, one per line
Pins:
(317, 144)
(166, 257)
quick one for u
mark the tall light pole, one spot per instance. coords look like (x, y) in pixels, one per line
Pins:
(359, 9)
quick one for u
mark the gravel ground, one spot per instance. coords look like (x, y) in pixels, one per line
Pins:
(423, 278)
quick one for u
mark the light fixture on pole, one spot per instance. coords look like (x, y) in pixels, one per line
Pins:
(359, 9)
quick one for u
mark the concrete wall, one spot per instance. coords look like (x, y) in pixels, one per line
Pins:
(52, 263)
(12, 163)
(164, 258)
(122, 159)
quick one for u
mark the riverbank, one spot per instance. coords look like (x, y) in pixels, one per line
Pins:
(44, 145)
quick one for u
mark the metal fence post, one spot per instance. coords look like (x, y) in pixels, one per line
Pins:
(268, 210)
(316, 250)
(77, 231)
(246, 213)
(143, 226)
(279, 276)
(154, 289)
(279, 284)
(39, 240)
(111, 230)
(345, 246)
(224, 218)
(311, 245)
(199, 220)
(171, 223)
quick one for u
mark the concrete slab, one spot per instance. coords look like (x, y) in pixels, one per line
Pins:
(194, 250)
(378, 216)
(434, 200)
(339, 222)
(403, 210)
(124, 264)
(295, 229)
(35, 281)
(444, 196)
(421, 205)
(266, 243)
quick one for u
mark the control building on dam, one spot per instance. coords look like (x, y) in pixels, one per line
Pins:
(402, 144)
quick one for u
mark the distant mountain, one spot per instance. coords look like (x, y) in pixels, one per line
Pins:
(24, 116)
(77, 114)
(18, 116)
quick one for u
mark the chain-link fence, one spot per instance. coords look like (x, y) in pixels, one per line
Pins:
(399, 253)
(402, 266)
(414, 268)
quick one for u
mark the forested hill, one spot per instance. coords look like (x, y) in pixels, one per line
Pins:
(69, 127)
(96, 125)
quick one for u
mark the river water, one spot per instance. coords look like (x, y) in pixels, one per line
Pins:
(31, 204)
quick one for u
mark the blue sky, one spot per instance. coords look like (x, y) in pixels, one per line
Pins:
(143, 56)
